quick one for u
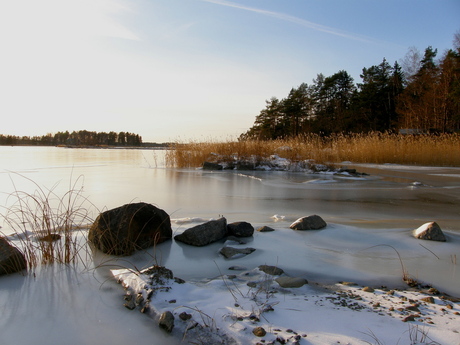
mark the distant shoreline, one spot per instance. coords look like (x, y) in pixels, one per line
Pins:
(151, 146)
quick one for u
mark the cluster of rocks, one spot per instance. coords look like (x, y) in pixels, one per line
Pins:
(125, 229)
(157, 279)
(308, 166)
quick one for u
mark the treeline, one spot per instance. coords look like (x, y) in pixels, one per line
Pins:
(80, 138)
(421, 95)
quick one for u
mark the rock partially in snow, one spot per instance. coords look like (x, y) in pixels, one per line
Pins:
(430, 231)
(166, 321)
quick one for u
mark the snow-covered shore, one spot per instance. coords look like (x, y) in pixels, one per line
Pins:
(250, 307)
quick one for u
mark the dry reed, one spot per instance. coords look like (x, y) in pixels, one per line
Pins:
(429, 150)
(45, 224)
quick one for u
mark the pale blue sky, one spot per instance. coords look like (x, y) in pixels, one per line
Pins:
(191, 69)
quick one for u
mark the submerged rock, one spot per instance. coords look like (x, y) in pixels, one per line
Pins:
(265, 229)
(291, 282)
(229, 252)
(122, 230)
(430, 231)
(204, 234)
(271, 270)
(11, 259)
(313, 222)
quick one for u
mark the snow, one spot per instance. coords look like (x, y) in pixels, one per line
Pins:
(313, 314)
(421, 229)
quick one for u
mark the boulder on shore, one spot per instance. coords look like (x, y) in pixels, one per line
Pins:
(430, 231)
(313, 222)
(11, 259)
(204, 234)
(124, 229)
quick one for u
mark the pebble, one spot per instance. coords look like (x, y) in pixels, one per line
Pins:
(259, 332)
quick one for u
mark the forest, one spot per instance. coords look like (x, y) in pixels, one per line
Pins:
(419, 95)
(75, 138)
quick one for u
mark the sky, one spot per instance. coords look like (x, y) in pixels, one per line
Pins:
(181, 70)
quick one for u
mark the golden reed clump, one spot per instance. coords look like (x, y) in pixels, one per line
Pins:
(429, 150)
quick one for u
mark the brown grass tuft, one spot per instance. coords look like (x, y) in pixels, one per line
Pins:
(45, 224)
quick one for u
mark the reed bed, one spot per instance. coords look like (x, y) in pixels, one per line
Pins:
(379, 148)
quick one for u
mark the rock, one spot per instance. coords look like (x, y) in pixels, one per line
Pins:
(129, 302)
(309, 223)
(204, 234)
(291, 282)
(245, 165)
(259, 332)
(413, 307)
(240, 229)
(185, 316)
(235, 239)
(11, 259)
(368, 289)
(271, 270)
(229, 252)
(428, 299)
(212, 166)
(49, 238)
(124, 229)
(166, 321)
(237, 268)
(265, 229)
(430, 231)
(409, 318)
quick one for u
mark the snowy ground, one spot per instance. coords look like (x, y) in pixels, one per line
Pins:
(236, 305)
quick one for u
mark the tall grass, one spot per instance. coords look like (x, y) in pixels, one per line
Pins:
(430, 150)
(45, 224)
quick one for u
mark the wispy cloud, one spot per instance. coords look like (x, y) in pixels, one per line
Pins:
(292, 19)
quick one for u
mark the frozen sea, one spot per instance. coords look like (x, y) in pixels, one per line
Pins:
(369, 219)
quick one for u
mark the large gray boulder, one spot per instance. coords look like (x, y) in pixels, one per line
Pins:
(240, 229)
(309, 223)
(430, 231)
(124, 229)
(11, 259)
(204, 234)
